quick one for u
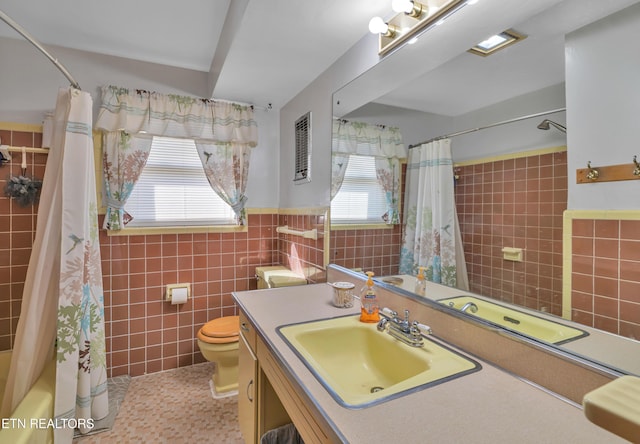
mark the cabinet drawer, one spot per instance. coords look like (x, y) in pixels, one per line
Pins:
(248, 331)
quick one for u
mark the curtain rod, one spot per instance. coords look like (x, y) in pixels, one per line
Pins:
(516, 119)
(9, 21)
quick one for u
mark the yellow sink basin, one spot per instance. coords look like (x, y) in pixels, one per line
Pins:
(530, 325)
(361, 366)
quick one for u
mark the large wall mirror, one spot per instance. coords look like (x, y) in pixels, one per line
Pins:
(510, 176)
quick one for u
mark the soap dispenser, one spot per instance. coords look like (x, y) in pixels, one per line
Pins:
(421, 283)
(369, 302)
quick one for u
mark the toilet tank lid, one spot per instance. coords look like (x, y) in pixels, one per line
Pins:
(264, 271)
(286, 281)
(222, 327)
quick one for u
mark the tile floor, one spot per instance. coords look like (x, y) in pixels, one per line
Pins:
(170, 407)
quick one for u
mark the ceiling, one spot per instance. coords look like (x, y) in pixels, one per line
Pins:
(266, 51)
(255, 51)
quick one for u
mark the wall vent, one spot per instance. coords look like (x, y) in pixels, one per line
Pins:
(303, 149)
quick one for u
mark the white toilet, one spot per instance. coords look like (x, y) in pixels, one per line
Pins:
(218, 342)
(218, 339)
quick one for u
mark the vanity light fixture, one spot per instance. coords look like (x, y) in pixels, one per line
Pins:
(414, 9)
(497, 42)
(378, 26)
(412, 19)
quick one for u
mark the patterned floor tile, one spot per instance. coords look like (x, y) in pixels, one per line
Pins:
(170, 407)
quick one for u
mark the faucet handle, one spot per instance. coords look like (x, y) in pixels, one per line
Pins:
(406, 315)
(388, 312)
(424, 329)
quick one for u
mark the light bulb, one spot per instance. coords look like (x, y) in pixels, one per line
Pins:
(378, 26)
(405, 6)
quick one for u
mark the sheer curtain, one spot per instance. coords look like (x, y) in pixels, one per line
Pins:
(123, 158)
(382, 142)
(226, 166)
(224, 133)
(63, 298)
(431, 235)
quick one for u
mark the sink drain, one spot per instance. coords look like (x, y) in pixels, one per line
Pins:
(376, 389)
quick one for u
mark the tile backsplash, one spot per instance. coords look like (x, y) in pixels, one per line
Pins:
(145, 333)
(605, 275)
(304, 256)
(504, 203)
(17, 231)
(376, 250)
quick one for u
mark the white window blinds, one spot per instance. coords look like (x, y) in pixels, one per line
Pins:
(173, 189)
(361, 199)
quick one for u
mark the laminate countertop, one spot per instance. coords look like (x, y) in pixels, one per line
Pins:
(489, 406)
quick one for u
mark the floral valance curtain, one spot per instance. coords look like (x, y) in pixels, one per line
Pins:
(170, 115)
(364, 139)
(222, 131)
(367, 139)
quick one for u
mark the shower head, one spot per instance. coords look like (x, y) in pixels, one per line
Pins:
(544, 125)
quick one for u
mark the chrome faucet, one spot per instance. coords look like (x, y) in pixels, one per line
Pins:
(401, 329)
(469, 306)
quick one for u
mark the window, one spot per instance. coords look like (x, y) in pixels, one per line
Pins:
(174, 191)
(361, 199)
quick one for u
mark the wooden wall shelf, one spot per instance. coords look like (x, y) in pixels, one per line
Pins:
(610, 173)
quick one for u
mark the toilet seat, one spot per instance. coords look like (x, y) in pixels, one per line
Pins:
(222, 330)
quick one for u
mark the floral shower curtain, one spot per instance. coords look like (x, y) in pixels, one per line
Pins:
(224, 133)
(63, 297)
(431, 237)
(382, 142)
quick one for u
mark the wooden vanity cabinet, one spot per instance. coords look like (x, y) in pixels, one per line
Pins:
(267, 398)
(279, 392)
(247, 381)
(259, 408)
(247, 404)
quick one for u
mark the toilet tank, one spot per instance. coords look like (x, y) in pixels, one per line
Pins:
(277, 276)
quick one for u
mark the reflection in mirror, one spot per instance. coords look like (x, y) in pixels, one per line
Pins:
(431, 240)
(616, 352)
(365, 158)
(510, 185)
(365, 194)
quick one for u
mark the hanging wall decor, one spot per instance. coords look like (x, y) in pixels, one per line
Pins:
(24, 189)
